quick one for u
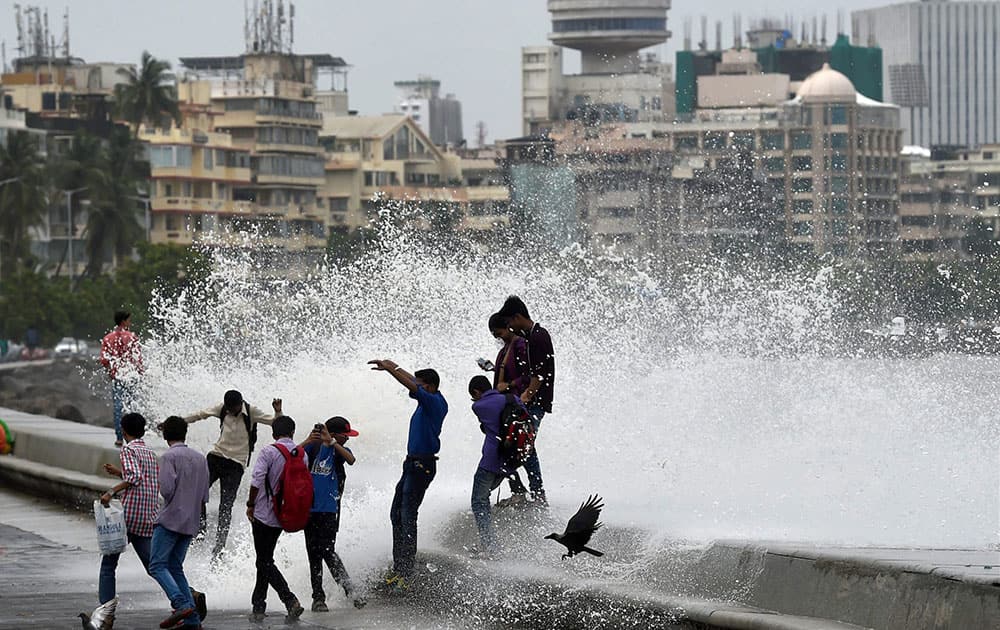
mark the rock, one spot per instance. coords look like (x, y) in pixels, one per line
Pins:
(71, 413)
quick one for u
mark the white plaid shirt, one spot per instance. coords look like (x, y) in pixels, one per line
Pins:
(142, 498)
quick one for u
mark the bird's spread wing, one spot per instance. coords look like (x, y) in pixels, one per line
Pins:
(585, 520)
(104, 615)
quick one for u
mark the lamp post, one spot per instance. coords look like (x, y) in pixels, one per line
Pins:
(70, 228)
(2, 184)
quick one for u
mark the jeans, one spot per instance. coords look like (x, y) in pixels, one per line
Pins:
(229, 475)
(531, 465)
(321, 537)
(109, 565)
(121, 393)
(166, 565)
(265, 539)
(418, 473)
(483, 483)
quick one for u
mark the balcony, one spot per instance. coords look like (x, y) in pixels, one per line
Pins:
(488, 193)
(202, 205)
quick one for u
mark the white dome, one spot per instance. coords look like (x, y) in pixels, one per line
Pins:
(827, 86)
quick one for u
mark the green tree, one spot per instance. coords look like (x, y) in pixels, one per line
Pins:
(77, 169)
(148, 94)
(22, 198)
(113, 224)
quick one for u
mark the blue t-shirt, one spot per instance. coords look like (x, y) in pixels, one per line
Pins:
(324, 474)
(426, 422)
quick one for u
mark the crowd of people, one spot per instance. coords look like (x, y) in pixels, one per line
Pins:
(165, 499)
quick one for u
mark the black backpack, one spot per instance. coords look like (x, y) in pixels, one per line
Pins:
(250, 425)
(517, 433)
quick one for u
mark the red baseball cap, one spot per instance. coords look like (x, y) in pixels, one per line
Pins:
(338, 424)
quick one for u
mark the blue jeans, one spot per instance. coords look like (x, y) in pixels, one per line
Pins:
(531, 465)
(109, 565)
(418, 473)
(166, 565)
(483, 484)
(121, 394)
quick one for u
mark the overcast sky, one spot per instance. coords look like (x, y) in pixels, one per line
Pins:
(472, 46)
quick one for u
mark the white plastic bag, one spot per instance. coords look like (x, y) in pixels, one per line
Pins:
(111, 535)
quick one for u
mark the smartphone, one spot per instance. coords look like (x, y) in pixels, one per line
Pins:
(485, 364)
(318, 428)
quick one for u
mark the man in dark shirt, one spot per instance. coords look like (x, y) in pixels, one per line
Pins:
(419, 467)
(538, 394)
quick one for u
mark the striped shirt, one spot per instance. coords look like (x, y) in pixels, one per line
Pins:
(142, 498)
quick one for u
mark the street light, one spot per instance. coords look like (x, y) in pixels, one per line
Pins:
(70, 231)
(2, 184)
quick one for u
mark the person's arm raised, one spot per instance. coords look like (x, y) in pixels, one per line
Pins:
(387, 365)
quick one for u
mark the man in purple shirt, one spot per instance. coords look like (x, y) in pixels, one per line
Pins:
(184, 488)
(537, 396)
(267, 473)
(488, 405)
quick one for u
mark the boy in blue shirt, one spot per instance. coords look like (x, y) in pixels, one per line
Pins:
(324, 446)
(419, 467)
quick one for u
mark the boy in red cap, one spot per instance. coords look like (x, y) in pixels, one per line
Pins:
(327, 457)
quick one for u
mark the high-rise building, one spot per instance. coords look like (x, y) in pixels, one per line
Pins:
(941, 66)
(616, 83)
(439, 118)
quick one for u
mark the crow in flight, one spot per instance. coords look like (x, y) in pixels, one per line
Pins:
(580, 528)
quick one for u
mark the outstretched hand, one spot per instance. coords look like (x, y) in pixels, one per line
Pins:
(383, 365)
(276, 405)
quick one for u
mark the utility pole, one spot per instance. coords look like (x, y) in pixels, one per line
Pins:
(70, 229)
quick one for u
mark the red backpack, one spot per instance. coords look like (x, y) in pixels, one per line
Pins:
(294, 497)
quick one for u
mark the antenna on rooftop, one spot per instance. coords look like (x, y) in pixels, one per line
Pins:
(687, 32)
(703, 44)
(481, 131)
(718, 34)
(738, 31)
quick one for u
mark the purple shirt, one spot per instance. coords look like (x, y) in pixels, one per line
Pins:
(184, 487)
(489, 410)
(269, 466)
(514, 364)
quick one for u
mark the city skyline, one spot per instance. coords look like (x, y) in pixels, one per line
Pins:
(469, 45)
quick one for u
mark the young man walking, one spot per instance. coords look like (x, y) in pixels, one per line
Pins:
(121, 356)
(265, 480)
(184, 488)
(488, 405)
(419, 467)
(139, 489)
(324, 449)
(537, 396)
(237, 435)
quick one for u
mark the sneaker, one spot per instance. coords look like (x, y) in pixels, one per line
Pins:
(396, 583)
(177, 617)
(199, 604)
(319, 606)
(359, 602)
(294, 609)
(518, 499)
(118, 443)
(258, 617)
(538, 498)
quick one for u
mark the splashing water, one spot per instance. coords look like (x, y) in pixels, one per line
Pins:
(701, 405)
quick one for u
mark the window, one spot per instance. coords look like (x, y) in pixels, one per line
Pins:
(803, 228)
(773, 141)
(837, 115)
(802, 163)
(207, 158)
(775, 164)
(686, 142)
(183, 155)
(338, 204)
(838, 205)
(839, 228)
(802, 140)
(838, 140)
(715, 140)
(803, 184)
(838, 184)
(168, 190)
(803, 206)
(743, 140)
(838, 162)
(609, 24)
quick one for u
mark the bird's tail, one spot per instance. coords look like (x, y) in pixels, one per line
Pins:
(592, 552)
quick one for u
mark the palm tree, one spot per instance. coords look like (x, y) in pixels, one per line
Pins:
(22, 197)
(147, 95)
(113, 217)
(75, 170)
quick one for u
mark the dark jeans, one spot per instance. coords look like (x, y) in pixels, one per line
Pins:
(265, 539)
(166, 565)
(321, 538)
(531, 465)
(229, 475)
(106, 586)
(121, 395)
(483, 484)
(417, 476)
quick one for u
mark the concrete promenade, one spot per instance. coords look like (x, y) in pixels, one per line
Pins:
(48, 570)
